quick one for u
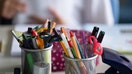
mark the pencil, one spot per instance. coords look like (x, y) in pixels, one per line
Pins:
(64, 48)
(75, 45)
(67, 46)
(81, 64)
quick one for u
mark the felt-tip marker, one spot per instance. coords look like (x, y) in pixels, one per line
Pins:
(95, 31)
(101, 36)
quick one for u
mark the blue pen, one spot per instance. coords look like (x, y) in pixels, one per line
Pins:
(80, 49)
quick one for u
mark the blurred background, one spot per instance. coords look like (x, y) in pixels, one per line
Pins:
(121, 10)
(125, 15)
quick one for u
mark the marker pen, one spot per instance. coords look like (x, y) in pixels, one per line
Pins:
(101, 36)
(95, 31)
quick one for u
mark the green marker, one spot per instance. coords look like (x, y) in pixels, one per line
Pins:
(30, 61)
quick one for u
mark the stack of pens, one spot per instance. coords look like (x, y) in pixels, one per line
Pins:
(75, 54)
(36, 45)
(73, 49)
(38, 37)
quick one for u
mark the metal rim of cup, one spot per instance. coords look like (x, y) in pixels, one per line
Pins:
(37, 50)
(91, 58)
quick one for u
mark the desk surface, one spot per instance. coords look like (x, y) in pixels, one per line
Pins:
(7, 63)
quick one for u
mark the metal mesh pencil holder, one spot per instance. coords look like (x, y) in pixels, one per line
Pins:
(31, 56)
(80, 66)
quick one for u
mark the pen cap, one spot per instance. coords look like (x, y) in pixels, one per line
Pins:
(95, 31)
(70, 43)
(49, 26)
(34, 33)
(71, 34)
(101, 36)
(29, 30)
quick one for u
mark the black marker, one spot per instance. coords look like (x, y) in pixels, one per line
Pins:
(29, 30)
(49, 25)
(95, 31)
(101, 36)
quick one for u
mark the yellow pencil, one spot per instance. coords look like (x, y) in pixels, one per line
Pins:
(64, 47)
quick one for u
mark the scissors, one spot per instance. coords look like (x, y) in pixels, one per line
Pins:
(97, 48)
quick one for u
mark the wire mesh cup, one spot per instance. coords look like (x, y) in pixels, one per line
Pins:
(31, 56)
(80, 66)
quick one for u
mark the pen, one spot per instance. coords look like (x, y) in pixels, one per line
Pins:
(49, 26)
(40, 42)
(101, 36)
(64, 47)
(35, 46)
(68, 51)
(13, 33)
(29, 30)
(75, 45)
(30, 61)
(95, 31)
(52, 27)
(41, 30)
(80, 49)
(36, 28)
(34, 33)
(63, 30)
(82, 66)
(61, 42)
(66, 43)
(72, 49)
